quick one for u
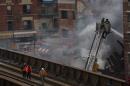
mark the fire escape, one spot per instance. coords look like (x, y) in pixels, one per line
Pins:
(49, 9)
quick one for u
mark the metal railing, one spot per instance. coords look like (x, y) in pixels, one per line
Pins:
(71, 75)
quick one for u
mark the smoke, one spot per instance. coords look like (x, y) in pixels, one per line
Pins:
(74, 49)
(94, 12)
(97, 9)
(71, 52)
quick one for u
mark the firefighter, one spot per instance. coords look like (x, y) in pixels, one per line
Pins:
(108, 26)
(103, 28)
(29, 71)
(43, 73)
(95, 66)
(24, 70)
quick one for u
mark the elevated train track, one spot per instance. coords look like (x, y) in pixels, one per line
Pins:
(59, 75)
(14, 74)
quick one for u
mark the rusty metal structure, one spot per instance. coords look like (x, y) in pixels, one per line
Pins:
(70, 75)
(126, 25)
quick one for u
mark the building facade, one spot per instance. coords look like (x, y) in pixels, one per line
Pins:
(66, 10)
(21, 19)
(126, 25)
(34, 14)
(47, 16)
(18, 16)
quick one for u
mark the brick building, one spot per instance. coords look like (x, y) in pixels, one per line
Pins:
(29, 15)
(56, 16)
(23, 18)
(17, 17)
(66, 10)
(47, 16)
(126, 25)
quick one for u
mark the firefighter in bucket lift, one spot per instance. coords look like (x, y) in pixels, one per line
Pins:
(105, 27)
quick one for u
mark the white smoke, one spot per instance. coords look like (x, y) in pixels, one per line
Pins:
(98, 9)
(58, 47)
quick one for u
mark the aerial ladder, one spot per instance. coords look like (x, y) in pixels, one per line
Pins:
(102, 30)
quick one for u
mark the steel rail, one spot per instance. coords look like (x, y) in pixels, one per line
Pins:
(66, 74)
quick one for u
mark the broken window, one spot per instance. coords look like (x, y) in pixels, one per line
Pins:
(64, 14)
(10, 25)
(26, 9)
(27, 24)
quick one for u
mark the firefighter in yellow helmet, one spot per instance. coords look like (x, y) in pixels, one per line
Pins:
(95, 66)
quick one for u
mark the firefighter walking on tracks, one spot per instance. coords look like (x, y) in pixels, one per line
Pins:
(43, 73)
(29, 71)
(24, 70)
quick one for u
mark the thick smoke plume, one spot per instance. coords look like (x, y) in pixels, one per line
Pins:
(73, 50)
(94, 11)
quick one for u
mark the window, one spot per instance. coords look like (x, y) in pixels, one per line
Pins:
(2, 1)
(26, 9)
(128, 17)
(9, 10)
(128, 45)
(129, 58)
(10, 25)
(27, 24)
(64, 14)
(128, 37)
(73, 14)
(48, 11)
(44, 25)
(65, 33)
(55, 23)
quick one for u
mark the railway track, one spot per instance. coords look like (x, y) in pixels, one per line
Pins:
(10, 72)
(16, 77)
(59, 75)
